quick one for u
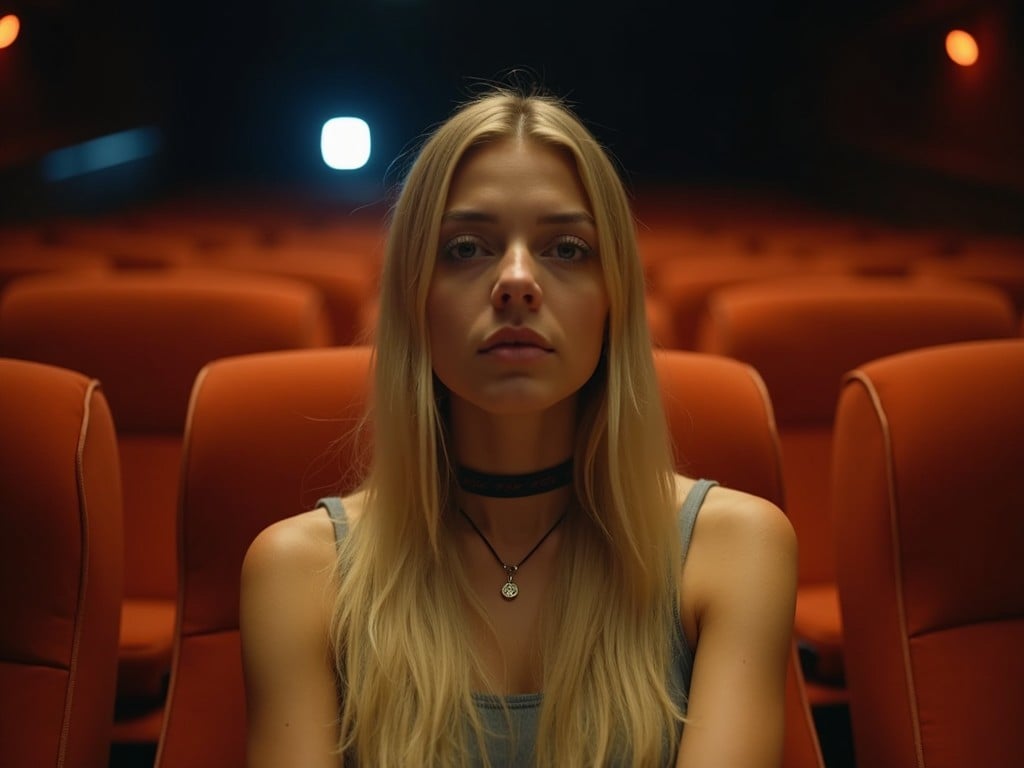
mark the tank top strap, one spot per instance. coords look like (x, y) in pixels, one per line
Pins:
(688, 513)
(336, 511)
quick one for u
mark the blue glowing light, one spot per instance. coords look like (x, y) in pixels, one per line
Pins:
(104, 152)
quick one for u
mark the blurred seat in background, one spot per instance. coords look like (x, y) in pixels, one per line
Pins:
(345, 283)
(929, 523)
(146, 336)
(686, 285)
(38, 260)
(60, 567)
(802, 335)
(129, 247)
(1004, 271)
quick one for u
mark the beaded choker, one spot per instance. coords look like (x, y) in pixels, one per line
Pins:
(514, 486)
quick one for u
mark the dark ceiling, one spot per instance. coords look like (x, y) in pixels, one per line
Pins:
(721, 90)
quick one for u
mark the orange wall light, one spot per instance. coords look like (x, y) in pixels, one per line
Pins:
(9, 27)
(962, 47)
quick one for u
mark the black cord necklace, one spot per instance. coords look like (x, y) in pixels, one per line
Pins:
(509, 590)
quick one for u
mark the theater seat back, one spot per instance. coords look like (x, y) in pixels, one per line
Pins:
(929, 502)
(60, 567)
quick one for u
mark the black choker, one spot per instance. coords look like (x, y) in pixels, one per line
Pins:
(514, 486)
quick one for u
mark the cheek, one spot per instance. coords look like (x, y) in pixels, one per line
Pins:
(438, 316)
(443, 324)
(591, 317)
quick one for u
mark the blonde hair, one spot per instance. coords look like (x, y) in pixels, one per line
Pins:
(402, 649)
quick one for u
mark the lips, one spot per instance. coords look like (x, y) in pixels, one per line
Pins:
(516, 337)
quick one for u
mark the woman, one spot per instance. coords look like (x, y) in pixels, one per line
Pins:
(510, 586)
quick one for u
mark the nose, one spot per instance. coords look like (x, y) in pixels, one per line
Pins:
(516, 283)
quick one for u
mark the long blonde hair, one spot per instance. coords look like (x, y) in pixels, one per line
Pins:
(399, 633)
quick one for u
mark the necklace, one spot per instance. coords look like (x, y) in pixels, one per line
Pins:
(514, 486)
(509, 590)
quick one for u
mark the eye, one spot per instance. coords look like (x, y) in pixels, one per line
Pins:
(462, 248)
(570, 248)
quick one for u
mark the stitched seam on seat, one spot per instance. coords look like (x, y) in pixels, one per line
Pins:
(179, 613)
(83, 521)
(939, 629)
(769, 412)
(890, 471)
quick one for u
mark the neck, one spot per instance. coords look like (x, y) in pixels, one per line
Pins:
(509, 444)
(511, 524)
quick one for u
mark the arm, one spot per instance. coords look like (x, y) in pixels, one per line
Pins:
(739, 585)
(291, 699)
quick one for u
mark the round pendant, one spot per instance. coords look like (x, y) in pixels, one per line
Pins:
(509, 590)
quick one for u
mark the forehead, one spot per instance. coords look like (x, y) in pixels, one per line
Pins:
(520, 170)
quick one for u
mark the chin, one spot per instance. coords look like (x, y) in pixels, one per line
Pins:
(517, 400)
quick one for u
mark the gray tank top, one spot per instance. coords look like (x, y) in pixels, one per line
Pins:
(516, 748)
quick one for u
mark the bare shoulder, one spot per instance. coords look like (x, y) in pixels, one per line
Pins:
(284, 618)
(735, 519)
(742, 544)
(303, 543)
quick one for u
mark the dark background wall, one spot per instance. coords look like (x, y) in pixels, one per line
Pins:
(853, 103)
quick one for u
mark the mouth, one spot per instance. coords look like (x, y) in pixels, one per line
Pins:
(513, 339)
(514, 345)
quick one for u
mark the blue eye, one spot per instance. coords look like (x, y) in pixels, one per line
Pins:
(462, 248)
(570, 248)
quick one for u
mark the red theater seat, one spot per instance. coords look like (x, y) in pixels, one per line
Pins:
(686, 285)
(40, 261)
(344, 282)
(802, 336)
(146, 336)
(928, 499)
(60, 567)
(269, 434)
(1002, 271)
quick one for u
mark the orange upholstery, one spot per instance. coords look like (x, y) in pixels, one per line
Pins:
(659, 322)
(129, 247)
(686, 285)
(344, 282)
(38, 260)
(1002, 271)
(928, 500)
(146, 336)
(60, 567)
(267, 436)
(802, 336)
(263, 443)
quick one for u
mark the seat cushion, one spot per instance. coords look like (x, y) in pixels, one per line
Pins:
(145, 645)
(819, 627)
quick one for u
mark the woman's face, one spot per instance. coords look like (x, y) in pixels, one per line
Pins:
(517, 306)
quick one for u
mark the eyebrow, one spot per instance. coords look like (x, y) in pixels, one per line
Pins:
(569, 217)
